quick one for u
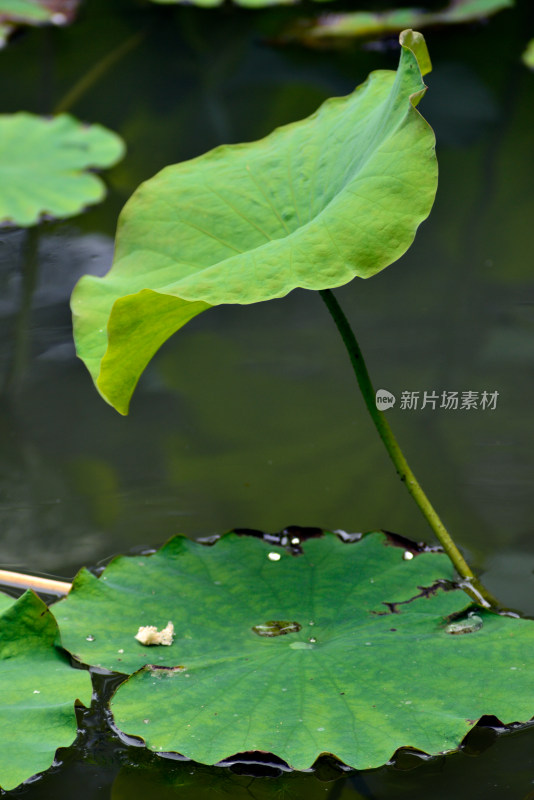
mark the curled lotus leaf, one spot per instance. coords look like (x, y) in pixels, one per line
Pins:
(316, 203)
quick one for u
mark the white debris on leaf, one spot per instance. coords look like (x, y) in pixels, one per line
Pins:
(149, 634)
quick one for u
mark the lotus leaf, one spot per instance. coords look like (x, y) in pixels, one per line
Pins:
(312, 205)
(23, 11)
(369, 665)
(33, 12)
(528, 55)
(43, 163)
(332, 27)
(243, 3)
(5, 601)
(38, 689)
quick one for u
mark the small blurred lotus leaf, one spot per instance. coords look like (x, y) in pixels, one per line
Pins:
(243, 3)
(334, 28)
(38, 689)
(34, 12)
(528, 55)
(44, 163)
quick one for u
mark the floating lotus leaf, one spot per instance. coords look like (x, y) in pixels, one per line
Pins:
(34, 12)
(38, 689)
(43, 163)
(333, 27)
(371, 661)
(5, 601)
(243, 3)
(314, 204)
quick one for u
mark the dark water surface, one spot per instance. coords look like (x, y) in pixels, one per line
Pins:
(250, 417)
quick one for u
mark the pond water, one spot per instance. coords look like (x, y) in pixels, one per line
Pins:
(250, 417)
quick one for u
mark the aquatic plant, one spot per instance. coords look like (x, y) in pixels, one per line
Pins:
(311, 625)
(44, 165)
(343, 27)
(315, 204)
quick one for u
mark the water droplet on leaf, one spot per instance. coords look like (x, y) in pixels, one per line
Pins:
(274, 627)
(469, 624)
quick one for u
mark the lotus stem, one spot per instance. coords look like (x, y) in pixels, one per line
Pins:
(96, 72)
(395, 453)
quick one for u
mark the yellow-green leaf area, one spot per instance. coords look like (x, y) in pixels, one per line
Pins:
(5, 601)
(44, 166)
(38, 689)
(243, 3)
(316, 203)
(24, 11)
(33, 12)
(528, 55)
(368, 664)
(361, 24)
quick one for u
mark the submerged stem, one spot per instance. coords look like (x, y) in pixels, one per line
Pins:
(30, 271)
(391, 444)
(96, 72)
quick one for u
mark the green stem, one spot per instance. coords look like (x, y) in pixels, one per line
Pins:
(391, 444)
(96, 72)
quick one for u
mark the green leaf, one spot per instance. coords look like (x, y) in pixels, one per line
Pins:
(528, 55)
(43, 163)
(332, 27)
(5, 601)
(243, 3)
(369, 666)
(23, 11)
(33, 12)
(38, 688)
(312, 205)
